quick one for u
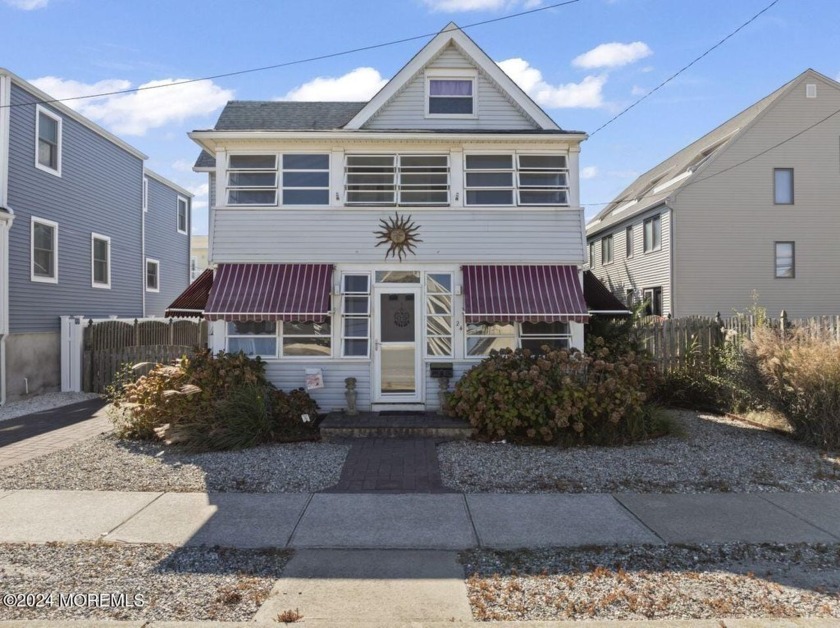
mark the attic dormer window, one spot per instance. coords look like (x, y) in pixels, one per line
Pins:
(451, 94)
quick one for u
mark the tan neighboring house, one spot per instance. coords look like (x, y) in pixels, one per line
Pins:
(198, 255)
(753, 206)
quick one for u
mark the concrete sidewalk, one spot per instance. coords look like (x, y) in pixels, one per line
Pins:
(416, 522)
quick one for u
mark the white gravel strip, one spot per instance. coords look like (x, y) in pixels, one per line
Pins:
(688, 582)
(39, 403)
(184, 584)
(105, 463)
(716, 454)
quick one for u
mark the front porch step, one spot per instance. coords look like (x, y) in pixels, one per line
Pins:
(394, 425)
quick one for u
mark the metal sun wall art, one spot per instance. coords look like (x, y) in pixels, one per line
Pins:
(400, 234)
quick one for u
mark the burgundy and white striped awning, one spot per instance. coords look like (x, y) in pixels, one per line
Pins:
(193, 300)
(270, 292)
(533, 294)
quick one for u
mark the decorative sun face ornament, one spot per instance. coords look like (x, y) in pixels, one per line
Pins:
(400, 234)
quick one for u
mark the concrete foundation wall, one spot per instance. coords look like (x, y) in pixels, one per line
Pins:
(36, 357)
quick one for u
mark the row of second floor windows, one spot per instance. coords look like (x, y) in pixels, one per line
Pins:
(496, 180)
(651, 241)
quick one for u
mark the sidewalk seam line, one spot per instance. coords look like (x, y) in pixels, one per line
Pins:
(131, 516)
(793, 514)
(637, 518)
(472, 523)
(9, 493)
(300, 518)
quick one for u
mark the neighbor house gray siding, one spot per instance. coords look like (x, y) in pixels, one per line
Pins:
(166, 245)
(407, 110)
(642, 270)
(99, 191)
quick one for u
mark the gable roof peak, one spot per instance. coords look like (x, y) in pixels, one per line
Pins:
(452, 26)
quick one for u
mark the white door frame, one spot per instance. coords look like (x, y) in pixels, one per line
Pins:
(419, 374)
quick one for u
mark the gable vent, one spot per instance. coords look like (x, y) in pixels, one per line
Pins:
(811, 90)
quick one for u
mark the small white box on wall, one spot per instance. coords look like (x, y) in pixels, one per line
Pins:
(314, 379)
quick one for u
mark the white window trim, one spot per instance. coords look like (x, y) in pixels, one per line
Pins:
(32, 275)
(146, 275)
(95, 284)
(276, 170)
(342, 292)
(186, 215)
(281, 188)
(457, 74)
(60, 133)
(145, 193)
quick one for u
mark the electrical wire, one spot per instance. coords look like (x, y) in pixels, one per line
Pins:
(286, 64)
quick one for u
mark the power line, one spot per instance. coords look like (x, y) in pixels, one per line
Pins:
(286, 64)
(676, 74)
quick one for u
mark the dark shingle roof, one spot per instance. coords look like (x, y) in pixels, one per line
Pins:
(205, 160)
(245, 115)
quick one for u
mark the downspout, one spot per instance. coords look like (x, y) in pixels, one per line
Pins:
(4, 299)
(5, 124)
(144, 204)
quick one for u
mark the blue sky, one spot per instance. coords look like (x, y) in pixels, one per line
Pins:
(583, 62)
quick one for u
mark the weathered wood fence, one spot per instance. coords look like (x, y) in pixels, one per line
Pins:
(688, 342)
(110, 344)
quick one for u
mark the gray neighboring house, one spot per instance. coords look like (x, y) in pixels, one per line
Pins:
(749, 207)
(74, 235)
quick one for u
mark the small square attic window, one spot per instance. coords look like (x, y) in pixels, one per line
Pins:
(811, 90)
(450, 96)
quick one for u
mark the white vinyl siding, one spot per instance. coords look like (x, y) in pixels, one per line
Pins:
(407, 110)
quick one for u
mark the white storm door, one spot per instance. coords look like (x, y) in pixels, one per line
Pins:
(397, 335)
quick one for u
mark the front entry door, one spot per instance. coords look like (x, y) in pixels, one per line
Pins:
(397, 359)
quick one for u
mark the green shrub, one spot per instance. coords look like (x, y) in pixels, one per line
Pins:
(560, 396)
(209, 403)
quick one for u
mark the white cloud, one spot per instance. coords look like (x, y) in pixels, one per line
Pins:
(586, 94)
(612, 55)
(359, 84)
(638, 91)
(135, 113)
(590, 172)
(182, 165)
(27, 5)
(462, 6)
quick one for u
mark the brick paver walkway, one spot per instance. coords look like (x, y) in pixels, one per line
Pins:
(391, 465)
(40, 433)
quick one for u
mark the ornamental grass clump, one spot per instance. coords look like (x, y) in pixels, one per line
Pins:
(210, 402)
(559, 396)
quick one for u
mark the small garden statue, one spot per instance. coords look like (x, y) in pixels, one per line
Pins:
(350, 395)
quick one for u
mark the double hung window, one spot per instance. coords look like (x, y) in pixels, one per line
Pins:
(44, 247)
(100, 260)
(451, 97)
(607, 250)
(652, 234)
(48, 130)
(152, 275)
(183, 214)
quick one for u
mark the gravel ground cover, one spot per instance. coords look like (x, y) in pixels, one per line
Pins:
(39, 403)
(175, 584)
(715, 454)
(105, 463)
(686, 582)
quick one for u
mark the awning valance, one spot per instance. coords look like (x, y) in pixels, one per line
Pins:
(533, 294)
(193, 300)
(270, 292)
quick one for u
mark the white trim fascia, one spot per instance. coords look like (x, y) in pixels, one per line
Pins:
(186, 216)
(93, 282)
(67, 111)
(452, 34)
(5, 123)
(54, 225)
(168, 183)
(59, 136)
(146, 275)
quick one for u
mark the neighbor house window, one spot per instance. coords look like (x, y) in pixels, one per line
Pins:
(522, 179)
(482, 338)
(783, 186)
(592, 254)
(100, 260)
(652, 234)
(628, 241)
(44, 247)
(183, 214)
(607, 250)
(397, 180)
(253, 338)
(450, 96)
(653, 301)
(629, 297)
(252, 180)
(439, 315)
(306, 179)
(785, 260)
(535, 336)
(355, 306)
(48, 131)
(152, 275)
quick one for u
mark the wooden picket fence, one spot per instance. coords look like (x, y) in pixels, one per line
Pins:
(677, 343)
(110, 344)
